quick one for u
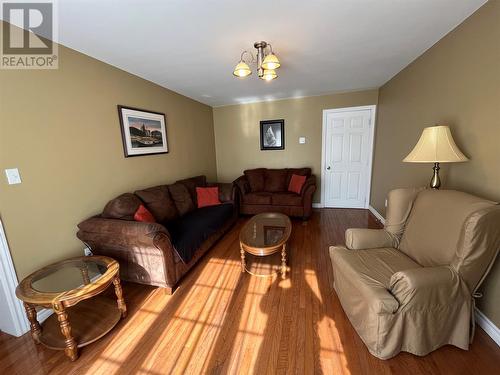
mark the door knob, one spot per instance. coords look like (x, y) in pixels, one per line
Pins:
(328, 167)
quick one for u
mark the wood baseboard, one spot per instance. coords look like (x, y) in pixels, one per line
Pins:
(488, 326)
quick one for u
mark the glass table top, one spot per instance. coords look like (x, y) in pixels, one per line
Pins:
(66, 276)
(266, 230)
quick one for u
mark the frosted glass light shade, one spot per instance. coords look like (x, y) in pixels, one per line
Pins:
(269, 75)
(271, 62)
(436, 145)
(242, 70)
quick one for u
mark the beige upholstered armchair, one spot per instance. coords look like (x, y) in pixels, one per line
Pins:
(410, 286)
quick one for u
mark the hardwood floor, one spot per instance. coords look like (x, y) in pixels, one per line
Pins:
(221, 321)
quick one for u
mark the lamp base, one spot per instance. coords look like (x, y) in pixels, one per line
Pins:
(435, 181)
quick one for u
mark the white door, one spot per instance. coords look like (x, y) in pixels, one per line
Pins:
(12, 318)
(347, 154)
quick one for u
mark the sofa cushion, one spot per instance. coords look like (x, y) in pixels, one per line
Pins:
(298, 171)
(296, 183)
(207, 196)
(182, 198)
(158, 201)
(122, 207)
(275, 180)
(192, 183)
(286, 199)
(257, 198)
(256, 178)
(189, 231)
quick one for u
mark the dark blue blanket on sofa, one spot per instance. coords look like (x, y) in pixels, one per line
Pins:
(189, 231)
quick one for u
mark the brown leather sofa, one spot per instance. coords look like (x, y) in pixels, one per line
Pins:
(266, 190)
(160, 253)
(411, 286)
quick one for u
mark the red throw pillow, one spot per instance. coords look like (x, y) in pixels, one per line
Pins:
(296, 183)
(143, 214)
(207, 196)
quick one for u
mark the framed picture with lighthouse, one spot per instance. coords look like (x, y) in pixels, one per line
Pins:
(143, 132)
(272, 135)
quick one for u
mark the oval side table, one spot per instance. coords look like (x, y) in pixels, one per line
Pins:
(72, 288)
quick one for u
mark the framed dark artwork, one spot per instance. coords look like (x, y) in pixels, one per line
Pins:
(143, 132)
(272, 135)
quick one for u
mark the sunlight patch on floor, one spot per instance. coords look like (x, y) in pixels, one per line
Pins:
(194, 326)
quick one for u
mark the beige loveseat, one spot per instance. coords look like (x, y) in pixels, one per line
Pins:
(411, 286)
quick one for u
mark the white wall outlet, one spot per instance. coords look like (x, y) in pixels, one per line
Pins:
(87, 252)
(302, 140)
(13, 176)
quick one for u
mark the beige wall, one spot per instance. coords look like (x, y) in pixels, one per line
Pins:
(456, 82)
(61, 129)
(237, 136)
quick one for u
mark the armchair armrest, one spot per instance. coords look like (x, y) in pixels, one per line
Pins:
(227, 191)
(362, 238)
(427, 287)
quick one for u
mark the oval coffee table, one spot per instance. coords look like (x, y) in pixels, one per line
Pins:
(263, 235)
(71, 288)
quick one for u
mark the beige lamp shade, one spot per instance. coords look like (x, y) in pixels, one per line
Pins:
(271, 62)
(436, 145)
(269, 75)
(242, 70)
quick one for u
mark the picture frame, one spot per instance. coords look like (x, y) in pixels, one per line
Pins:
(143, 132)
(272, 135)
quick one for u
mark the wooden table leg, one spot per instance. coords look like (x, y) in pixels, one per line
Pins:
(35, 328)
(283, 261)
(71, 349)
(242, 254)
(119, 297)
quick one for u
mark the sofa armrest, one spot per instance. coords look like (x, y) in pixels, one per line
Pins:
(144, 250)
(115, 227)
(309, 185)
(242, 185)
(427, 287)
(227, 191)
(307, 194)
(362, 238)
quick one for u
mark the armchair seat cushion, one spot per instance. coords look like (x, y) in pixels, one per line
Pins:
(286, 199)
(189, 231)
(257, 198)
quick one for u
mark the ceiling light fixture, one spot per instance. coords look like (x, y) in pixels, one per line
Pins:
(267, 62)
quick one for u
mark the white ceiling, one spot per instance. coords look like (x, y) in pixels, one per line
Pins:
(192, 46)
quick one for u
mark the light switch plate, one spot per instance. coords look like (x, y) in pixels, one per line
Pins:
(13, 176)
(302, 140)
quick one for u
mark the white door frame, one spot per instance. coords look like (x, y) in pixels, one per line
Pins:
(18, 324)
(373, 109)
